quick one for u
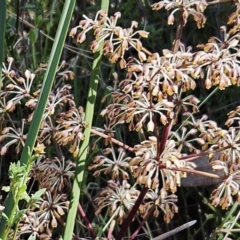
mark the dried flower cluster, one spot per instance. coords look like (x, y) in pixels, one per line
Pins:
(65, 127)
(186, 9)
(59, 126)
(150, 99)
(156, 91)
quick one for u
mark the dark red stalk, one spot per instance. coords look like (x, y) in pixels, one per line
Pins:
(165, 134)
(161, 146)
(132, 214)
(143, 221)
(89, 225)
(76, 237)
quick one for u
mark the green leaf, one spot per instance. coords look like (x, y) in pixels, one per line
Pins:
(33, 35)
(30, 6)
(22, 190)
(24, 196)
(19, 215)
(39, 20)
(37, 195)
(4, 216)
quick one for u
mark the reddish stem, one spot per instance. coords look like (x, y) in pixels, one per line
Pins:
(89, 225)
(111, 229)
(76, 237)
(143, 221)
(178, 33)
(168, 126)
(201, 173)
(132, 214)
(123, 145)
(161, 145)
(165, 134)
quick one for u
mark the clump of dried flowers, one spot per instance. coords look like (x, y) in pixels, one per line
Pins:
(154, 93)
(150, 99)
(62, 124)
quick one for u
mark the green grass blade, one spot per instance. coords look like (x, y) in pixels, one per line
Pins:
(3, 6)
(81, 161)
(46, 88)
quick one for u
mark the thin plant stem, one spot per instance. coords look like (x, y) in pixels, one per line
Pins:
(81, 161)
(89, 225)
(178, 33)
(230, 213)
(123, 145)
(132, 213)
(34, 55)
(167, 128)
(143, 222)
(204, 101)
(66, 46)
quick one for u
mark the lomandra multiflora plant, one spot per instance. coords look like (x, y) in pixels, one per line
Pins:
(155, 91)
(154, 99)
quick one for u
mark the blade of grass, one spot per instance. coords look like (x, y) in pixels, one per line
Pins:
(3, 6)
(80, 164)
(232, 213)
(76, 83)
(46, 88)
